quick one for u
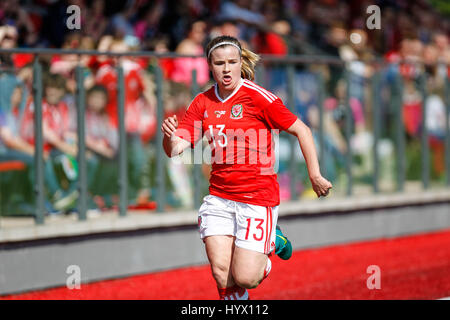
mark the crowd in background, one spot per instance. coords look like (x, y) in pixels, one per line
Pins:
(413, 41)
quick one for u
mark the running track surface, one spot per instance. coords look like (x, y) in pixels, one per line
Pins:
(412, 267)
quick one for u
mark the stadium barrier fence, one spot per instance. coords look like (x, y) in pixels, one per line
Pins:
(289, 63)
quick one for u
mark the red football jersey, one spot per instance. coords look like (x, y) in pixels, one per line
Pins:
(134, 87)
(239, 134)
(56, 117)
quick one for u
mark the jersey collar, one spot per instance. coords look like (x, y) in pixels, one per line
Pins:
(216, 91)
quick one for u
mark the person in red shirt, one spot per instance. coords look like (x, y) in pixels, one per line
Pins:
(237, 220)
(59, 142)
(140, 110)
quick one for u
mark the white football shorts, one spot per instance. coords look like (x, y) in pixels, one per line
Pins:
(253, 226)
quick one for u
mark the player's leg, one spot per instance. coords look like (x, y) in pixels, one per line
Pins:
(220, 254)
(249, 267)
(255, 240)
(219, 250)
(217, 227)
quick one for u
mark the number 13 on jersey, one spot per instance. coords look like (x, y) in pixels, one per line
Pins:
(222, 142)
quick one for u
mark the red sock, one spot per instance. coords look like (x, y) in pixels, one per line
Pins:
(233, 293)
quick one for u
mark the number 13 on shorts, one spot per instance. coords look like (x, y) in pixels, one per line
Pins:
(259, 232)
(259, 229)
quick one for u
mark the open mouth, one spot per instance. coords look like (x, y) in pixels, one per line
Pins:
(226, 79)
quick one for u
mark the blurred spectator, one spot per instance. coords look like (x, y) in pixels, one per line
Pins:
(140, 107)
(12, 14)
(56, 122)
(228, 28)
(101, 136)
(54, 27)
(65, 64)
(359, 59)
(241, 10)
(322, 15)
(12, 145)
(412, 108)
(334, 142)
(295, 14)
(435, 106)
(15, 149)
(160, 45)
(431, 68)
(440, 40)
(148, 26)
(97, 22)
(139, 96)
(59, 143)
(178, 100)
(338, 105)
(441, 43)
(335, 38)
(411, 51)
(247, 15)
(8, 37)
(8, 79)
(102, 145)
(121, 23)
(192, 45)
(272, 42)
(388, 39)
(8, 40)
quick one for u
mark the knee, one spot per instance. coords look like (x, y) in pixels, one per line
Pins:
(247, 281)
(220, 273)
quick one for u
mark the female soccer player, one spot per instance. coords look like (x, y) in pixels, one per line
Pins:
(237, 220)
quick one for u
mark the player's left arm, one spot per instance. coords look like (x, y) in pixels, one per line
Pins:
(302, 132)
(278, 116)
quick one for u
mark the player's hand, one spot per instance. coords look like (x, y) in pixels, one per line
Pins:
(321, 186)
(169, 126)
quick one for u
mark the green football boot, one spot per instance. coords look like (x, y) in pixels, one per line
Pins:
(283, 247)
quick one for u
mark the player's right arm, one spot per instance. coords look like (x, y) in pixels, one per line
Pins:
(179, 136)
(172, 144)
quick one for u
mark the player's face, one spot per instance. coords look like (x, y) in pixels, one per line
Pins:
(225, 66)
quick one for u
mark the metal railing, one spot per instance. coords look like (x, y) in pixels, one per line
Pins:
(289, 63)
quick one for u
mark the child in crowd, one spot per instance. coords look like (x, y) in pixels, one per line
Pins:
(102, 145)
(59, 143)
(18, 154)
(12, 145)
(101, 136)
(140, 110)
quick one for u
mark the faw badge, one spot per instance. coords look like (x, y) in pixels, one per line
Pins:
(236, 111)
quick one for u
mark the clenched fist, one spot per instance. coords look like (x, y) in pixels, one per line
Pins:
(321, 186)
(169, 126)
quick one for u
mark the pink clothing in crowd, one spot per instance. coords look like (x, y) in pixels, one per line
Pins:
(182, 69)
(355, 105)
